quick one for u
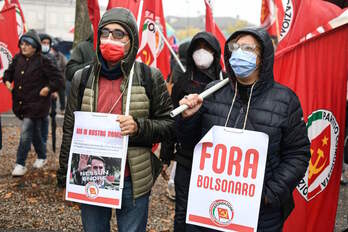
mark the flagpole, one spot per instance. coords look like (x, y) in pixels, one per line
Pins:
(140, 11)
(277, 23)
(204, 94)
(170, 49)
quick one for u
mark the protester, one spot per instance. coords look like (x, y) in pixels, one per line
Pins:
(203, 66)
(167, 148)
(61, 64)
(254, 101)
(82, 55)
(148, 123)
(35, 78)
(46, 41)
(182, 54)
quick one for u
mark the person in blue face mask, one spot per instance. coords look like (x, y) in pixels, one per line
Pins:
(253, 100)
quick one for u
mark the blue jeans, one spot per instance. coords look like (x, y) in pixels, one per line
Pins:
(30, 133)
(44, 130)
(131, 218)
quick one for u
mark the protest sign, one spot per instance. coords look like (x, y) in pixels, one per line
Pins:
(226, 181)
(96, 161)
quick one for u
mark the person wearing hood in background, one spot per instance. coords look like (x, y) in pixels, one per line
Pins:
(35, 78)
(46, 43)
(253, 100)
(61, 64)
(82, 55)
(148, 121)
(202, 67)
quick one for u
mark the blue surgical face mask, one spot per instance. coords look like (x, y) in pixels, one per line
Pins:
(243, 63)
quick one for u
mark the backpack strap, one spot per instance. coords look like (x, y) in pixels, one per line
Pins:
(86, 71)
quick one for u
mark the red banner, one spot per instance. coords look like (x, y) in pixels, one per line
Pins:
(132, 5)
(152, 50)
(20, 18)
(302, 17)
(8, 48)
(212, 27)
(94, 16)
(317, 71)
(272, 14)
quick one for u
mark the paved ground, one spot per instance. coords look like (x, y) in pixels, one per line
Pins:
(34, 203)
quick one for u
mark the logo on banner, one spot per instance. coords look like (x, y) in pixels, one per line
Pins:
(152, 43)
(323, 131)
(92, 190)
(5, 59)
(288, 19)
(20, 23)
(221, 212)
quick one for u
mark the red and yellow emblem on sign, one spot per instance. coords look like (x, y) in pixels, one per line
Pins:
(323, 131)
(320, 155)
(146, 55)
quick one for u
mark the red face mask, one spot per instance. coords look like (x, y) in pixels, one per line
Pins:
(111, 50)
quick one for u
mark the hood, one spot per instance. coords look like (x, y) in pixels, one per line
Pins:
(45, 36)
(267, 53)
(183, 48)
(34, 35)
(125, 18)
(214, 44)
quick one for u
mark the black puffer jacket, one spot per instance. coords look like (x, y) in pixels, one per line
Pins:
(192, 81)
(274, 110)
(82, 55)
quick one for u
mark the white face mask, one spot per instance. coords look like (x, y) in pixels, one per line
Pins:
(202, 58)
(45, 48)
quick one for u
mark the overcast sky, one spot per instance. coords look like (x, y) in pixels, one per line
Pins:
(246, 9)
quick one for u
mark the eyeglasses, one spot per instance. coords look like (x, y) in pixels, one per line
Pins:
(245, 47)
(116, 34)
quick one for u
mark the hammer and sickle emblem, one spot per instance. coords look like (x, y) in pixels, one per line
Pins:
(147, 57)
(314, 169)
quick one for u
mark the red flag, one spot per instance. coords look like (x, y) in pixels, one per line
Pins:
(212, 27)
(94, 16)
(20, 18)
(152, 50)
(272, 14)
(8, 48)
(132, 5)
(317, 71)
(302, 17)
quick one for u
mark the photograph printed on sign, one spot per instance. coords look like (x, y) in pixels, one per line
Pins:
(102, 171)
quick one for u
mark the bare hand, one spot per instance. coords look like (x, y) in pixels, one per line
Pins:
(128, 125)
(44, 91)
(164, 172)
(194, 102)
(8, 85)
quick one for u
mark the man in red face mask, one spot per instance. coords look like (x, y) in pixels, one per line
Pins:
(148, 121)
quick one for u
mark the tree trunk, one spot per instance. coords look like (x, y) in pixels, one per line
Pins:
(82, 22)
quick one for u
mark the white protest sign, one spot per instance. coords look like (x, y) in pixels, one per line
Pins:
(226, 181)
(97, 160)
